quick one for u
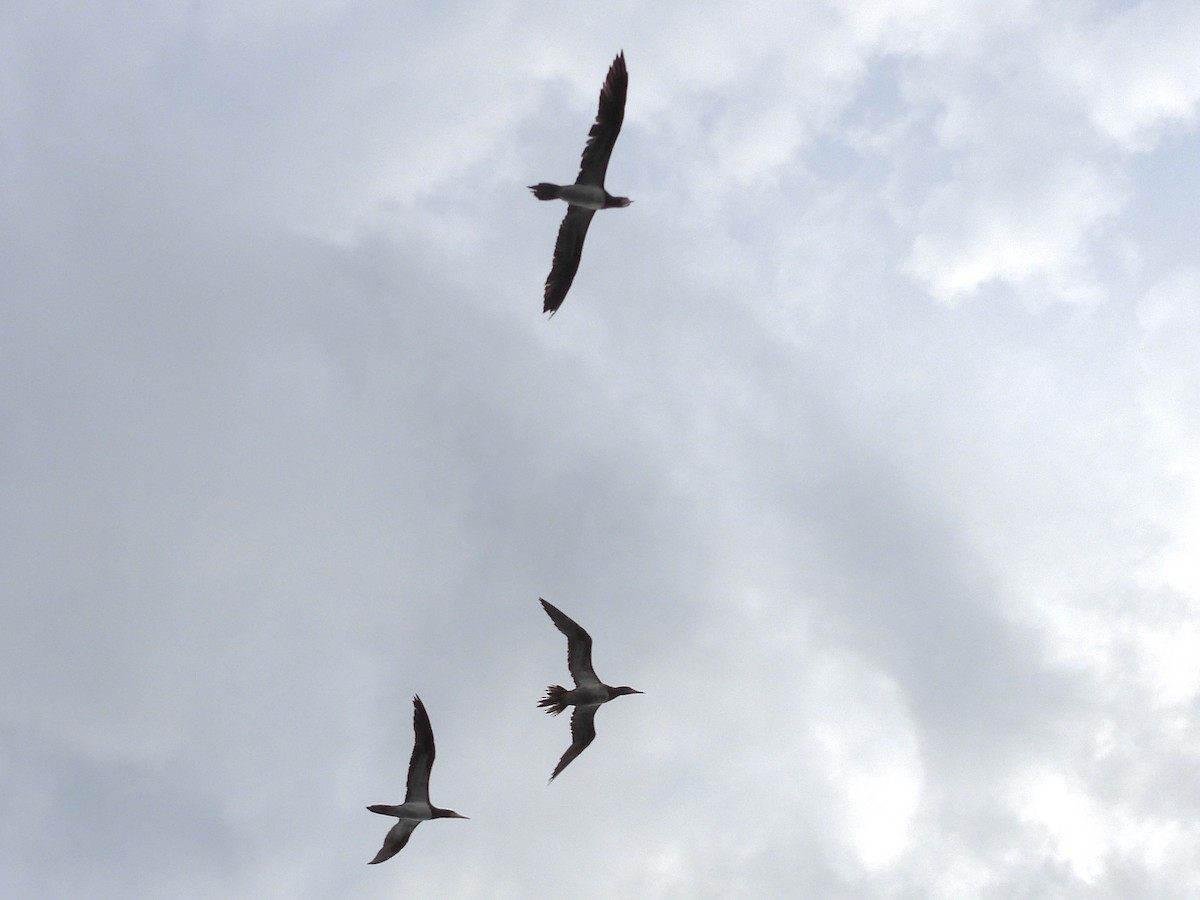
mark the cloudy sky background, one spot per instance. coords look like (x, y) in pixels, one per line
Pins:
(867, 444)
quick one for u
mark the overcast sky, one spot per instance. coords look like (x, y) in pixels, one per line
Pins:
(867, 444)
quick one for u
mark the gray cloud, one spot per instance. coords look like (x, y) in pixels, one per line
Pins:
(908, 584)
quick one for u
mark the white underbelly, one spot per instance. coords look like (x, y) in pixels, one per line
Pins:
(586, 195)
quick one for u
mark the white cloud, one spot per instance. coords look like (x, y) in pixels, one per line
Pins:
(1136, 71)
(1069, 817)
(910, 585)
(1034, 233)
(868, 748)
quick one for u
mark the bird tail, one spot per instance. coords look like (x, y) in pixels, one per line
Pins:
(383, 809)
(553, 701)
(545, 190)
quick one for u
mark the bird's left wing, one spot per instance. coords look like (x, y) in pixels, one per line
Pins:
(583, 732)
(567, 251)
(396, 838)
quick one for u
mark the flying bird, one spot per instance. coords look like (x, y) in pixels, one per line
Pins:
(589, 691)
(416, 807)
(587, 194)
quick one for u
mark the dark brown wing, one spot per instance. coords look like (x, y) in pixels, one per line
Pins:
(607, 126)
(396, 838)
(421, 762)
(583, 732)
(579, 649)
(567, 251)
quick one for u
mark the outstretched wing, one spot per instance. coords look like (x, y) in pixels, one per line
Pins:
(396, 838)
(421, 762)
(579, 650)
(583, 732)
(609, 116)
(567, 251)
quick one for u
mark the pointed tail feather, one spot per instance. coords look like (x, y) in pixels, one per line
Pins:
(553, 701)
(545, 191)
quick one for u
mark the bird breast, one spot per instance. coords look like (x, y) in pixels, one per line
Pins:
(589, 695)
(586, 195)
(414, 809)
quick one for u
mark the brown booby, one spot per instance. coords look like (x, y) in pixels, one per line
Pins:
(587, 194)
(416, 807)
(589, 691)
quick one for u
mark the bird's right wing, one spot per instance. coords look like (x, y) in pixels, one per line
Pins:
(609, 116)
(423, 753)
(579, 647)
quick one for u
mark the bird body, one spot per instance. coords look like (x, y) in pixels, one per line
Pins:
(586, 695)
(587, 194)
(589, 694)
(416, 807)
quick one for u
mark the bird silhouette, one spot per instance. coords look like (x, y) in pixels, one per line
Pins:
(416, 807)
(587, 194)
(589, 693)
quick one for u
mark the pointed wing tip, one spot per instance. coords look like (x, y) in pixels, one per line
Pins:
(419, 711)
(619, 65)
(558, 770)
(382, 856)
(556, 615)
(618, 70)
